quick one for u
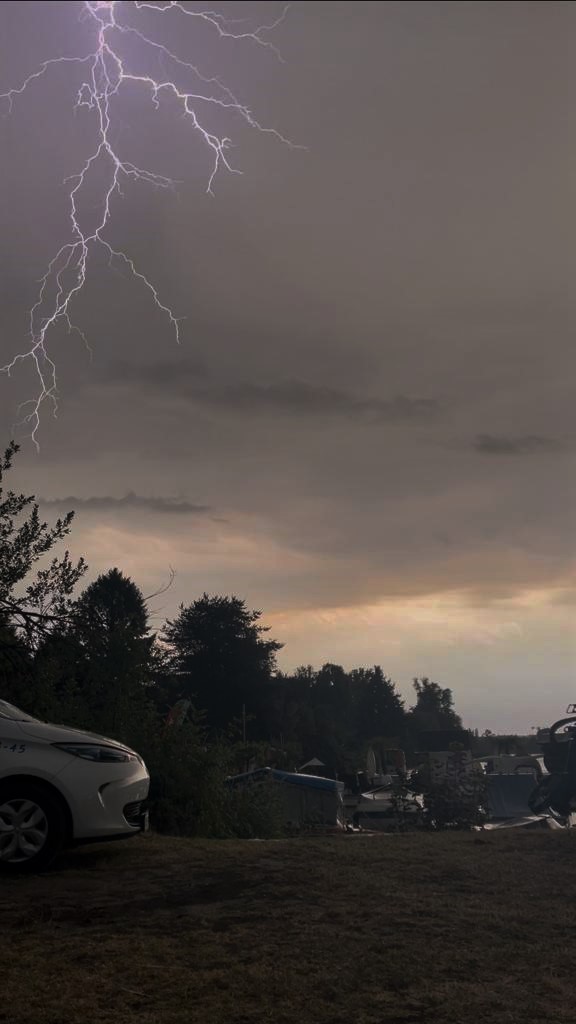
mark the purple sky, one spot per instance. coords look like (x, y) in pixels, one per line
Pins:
(368, 429)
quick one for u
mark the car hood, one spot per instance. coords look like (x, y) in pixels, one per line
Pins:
(62, 734)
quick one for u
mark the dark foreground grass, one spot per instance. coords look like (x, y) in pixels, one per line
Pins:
(399, 929)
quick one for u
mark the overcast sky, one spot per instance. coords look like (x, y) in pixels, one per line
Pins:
(367, 430)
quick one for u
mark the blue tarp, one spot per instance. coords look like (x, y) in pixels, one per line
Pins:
(292, 778)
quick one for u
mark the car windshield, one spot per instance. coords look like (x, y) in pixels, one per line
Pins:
(14, 714)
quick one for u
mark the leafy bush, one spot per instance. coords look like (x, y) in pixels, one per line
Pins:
(455, 800)
(253, 812)
(189, 795)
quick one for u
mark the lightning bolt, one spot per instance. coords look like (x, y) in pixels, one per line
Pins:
(105, 71)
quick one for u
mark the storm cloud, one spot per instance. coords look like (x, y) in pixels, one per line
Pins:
(529, 444)
(130, 502)
(298, 398)
(374, 387)
(179, 380)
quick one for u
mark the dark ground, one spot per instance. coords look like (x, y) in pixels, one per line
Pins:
(410, 928)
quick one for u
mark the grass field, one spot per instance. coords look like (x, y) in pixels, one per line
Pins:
(400, 929)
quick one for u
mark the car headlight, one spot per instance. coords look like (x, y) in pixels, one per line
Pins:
(97, 752)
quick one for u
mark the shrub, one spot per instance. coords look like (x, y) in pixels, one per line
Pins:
(455, 800)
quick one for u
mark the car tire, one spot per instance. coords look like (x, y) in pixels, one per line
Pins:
(32, 827)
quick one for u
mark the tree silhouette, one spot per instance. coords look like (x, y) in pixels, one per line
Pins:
(379, 710)
(434, 707)
(33, 596)
(220, 658)
(112, 651)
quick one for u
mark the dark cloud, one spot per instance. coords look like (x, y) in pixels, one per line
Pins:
(285, 397)
(130, 502)
(298, 398)
(419, 247)
(527, 444)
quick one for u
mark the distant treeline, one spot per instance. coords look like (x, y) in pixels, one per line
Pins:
(101, 667)
(201, 696)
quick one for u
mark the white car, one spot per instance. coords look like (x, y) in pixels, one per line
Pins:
(61, 787)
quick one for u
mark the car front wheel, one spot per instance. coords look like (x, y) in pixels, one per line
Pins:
(32, 828)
